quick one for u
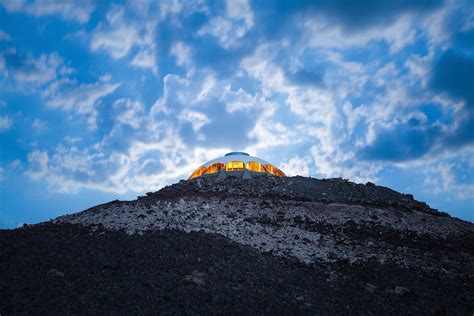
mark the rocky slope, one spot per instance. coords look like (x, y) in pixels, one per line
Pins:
(263, 245)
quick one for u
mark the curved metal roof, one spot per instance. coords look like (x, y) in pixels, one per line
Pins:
(236, 153)
(235, 156)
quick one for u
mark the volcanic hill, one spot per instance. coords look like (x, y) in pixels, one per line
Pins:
(266, 245)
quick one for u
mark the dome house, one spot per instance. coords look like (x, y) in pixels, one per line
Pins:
(236, 164)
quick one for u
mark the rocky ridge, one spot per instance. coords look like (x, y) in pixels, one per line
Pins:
(307, 219)
(335, 190)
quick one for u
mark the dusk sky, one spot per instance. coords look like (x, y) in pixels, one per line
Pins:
(102, 101)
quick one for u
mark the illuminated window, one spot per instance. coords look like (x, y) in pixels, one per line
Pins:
(254, 166)
(234, 166)
(199, 171)
(274, 170)
(214, 168)
(270, 168)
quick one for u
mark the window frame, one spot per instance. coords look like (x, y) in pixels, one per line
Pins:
(210, 167)
(261, 167)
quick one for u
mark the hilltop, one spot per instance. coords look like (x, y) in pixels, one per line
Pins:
(262, 245)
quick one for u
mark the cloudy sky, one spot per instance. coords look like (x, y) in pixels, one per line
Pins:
(102, 100)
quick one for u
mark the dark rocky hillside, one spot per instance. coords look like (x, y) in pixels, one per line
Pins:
(266, 246)
(298, 188)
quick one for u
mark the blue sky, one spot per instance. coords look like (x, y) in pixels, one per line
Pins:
(103, 101)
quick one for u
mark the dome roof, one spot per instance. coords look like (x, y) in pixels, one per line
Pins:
(236, 164)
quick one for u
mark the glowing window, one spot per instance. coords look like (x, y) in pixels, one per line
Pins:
(234, 166)
(279, 172)
(215, 168)
(255, 166)
(198, 172)
(274, 170)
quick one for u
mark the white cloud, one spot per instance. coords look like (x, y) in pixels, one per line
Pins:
(184, 96)
(68, 10)
(130, 112)
(5, 123)
(324, 126)
(186, 92)
(72, 140)
(37, 164)
(170, 7)
(151, 153)
(440, 177)
(332, 126)
(240, 10)
(170, 99)
(320, 32)
(146, 157)
(270, 75)
(419, 66)
(15, 164)
(238, 100)
(2, 66)
(79, 98)
(4, 36)
(152, 158)
(343, 164)
(435, 25)
(116, 37)
(105, 78)
(309, 103)
(222, 29)
(119, 34)
(197, 119)
(145, 59)
(52, 75)
(182, 53)
(267, 134)
(175, 9)
(38, 124)
(231, 28)
(207, 88)
(297, 166)
(39, 70)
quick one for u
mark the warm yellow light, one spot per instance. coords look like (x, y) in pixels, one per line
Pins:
(234, 166)
(274, 170)
(214, 168)
(198, 172)
(255, 166)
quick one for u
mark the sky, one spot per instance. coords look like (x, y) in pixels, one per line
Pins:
(103, 100)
